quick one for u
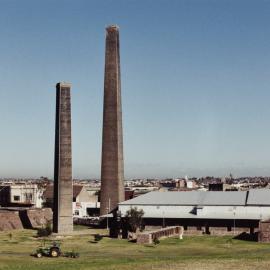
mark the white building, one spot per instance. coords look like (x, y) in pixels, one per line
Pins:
(21, 195)
(84, 204)
(85, 209)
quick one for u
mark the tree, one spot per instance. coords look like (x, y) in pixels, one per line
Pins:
(134, 218)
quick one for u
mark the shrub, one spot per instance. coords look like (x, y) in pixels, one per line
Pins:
(156, 241)
(134, 219)
(98, 237)
(43, 232)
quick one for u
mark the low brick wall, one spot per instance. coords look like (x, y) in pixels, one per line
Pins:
(224, 231)
(264, 231)
(148, 237)
(192, 230)
(152, 228)
(216, 231)
(39, 217)
(10, 220)
(86, 221)
(27, 218)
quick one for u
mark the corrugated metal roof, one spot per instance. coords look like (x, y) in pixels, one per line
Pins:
(259, 197)
(190, 198)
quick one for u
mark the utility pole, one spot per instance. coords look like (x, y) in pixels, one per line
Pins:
(163, 219)
(234, 221)
(108, 211)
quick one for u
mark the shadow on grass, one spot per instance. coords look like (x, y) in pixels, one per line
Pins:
(132, 241)
(253, 237)
(102, 235)
(150, 246)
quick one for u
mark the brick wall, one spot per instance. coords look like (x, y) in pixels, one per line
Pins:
(264, 231)
(39, 217)
(10, 220)
(148, 237)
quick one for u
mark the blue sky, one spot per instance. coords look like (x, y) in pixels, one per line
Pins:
(195, 85)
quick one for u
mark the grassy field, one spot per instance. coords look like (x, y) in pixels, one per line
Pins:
(198, 252)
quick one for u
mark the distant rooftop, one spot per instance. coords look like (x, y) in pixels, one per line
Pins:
(203, 198)
(259, 197)
(48, 193)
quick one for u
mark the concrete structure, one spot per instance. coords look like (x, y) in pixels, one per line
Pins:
(112, 168)
(62, 209)
(203, 208)
(21, 195)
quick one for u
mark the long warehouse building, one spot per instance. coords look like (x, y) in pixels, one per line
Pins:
(203, 208)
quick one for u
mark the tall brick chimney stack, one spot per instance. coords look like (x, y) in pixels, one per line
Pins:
(63, 190)
(112, 167)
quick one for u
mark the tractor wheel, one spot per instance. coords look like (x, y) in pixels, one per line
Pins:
(54, 252)
(39, 255)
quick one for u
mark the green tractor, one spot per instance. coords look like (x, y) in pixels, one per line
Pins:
(53, 250)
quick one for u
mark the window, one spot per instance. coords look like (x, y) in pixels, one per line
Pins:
(28, 197)
(16, 198)
(76, 213)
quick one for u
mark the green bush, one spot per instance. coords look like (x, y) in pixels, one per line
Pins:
(43, 232)
(156, 241)
(98, 237)
(134, 218)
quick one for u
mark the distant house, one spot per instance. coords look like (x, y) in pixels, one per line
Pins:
(84, 204)
(221, 187)
(129, 194)
(80, 194)
(29, 195)
(215, 187)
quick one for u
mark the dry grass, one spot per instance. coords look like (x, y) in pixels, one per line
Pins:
(201, 252)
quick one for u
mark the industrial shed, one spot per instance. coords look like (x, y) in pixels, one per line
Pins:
(203, 208)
